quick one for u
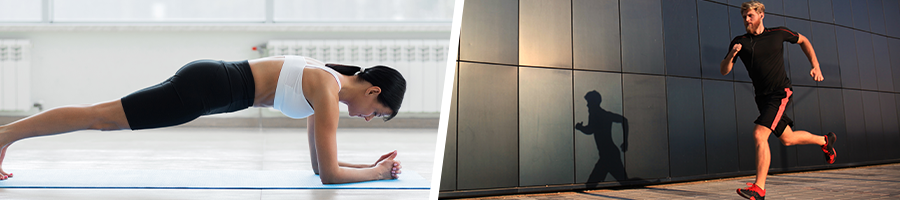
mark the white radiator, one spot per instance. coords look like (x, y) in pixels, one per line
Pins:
(15, 75)
(422, 63)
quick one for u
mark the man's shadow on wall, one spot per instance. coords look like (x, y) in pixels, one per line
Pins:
(600, 124)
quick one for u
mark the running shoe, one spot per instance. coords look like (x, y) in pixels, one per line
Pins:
(828, 148)
(753, 192)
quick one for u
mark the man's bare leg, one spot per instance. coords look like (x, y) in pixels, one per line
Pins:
(788, 138)
(763, 154)
(102, 116)
(791, 138)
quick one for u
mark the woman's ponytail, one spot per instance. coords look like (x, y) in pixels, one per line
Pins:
(348, 70)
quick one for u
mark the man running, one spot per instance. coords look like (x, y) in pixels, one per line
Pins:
(762, 53)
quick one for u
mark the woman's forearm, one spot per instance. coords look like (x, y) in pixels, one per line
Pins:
(346, 164)
(349, 175)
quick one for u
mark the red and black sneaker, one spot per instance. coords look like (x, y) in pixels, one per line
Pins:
(828, 148)
(753, 192)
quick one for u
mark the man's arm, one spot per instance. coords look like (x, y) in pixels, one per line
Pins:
(726, 64)
(807, 47)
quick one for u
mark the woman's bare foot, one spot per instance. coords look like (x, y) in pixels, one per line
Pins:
(3, 174)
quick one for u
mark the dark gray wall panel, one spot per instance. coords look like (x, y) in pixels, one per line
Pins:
(774, 6)
(843, 14)
(642, 38)
(746, 113)
(831, 108)
(644, 103)
(860, 9)
(546, 153)
(545, 33)
(598, 156)
(891, 131)
(685, 105)
(720, 127)
(737, 29)
(858, 150)
(896, 143)
(846, 43)
(488, 136)
(714, 38)
(825, 44)
(798, 8)
(894, 49)
(882, 58)
(736, 21)
(892, 17)
(864, 51)
(735, 2)
(595, 33)
(680, 26)
(876, 16)
(874, 125)
(448, 169)
(773, 20)
(822, 11)
(489, 32)
(796, 59)
(806, 117)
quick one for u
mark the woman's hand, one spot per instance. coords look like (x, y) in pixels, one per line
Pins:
(385, 156)
(387, 167)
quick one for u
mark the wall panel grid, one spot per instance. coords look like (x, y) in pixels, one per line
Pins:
(422, 62)
(667, 114)
(15, 75)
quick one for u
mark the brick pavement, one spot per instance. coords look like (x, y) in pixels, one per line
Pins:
(869, 182)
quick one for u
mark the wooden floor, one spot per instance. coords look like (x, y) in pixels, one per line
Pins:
(214, 148)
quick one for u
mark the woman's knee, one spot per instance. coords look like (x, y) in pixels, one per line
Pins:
(108, 116)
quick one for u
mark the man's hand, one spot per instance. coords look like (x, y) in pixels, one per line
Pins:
(736, 48)
(816, 74)
(727, 63)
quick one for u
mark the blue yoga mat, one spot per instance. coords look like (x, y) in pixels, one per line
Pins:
(195, 179)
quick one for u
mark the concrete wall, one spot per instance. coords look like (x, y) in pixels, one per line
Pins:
(575, 94)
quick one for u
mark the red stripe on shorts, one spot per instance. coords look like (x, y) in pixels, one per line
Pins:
(784, 102)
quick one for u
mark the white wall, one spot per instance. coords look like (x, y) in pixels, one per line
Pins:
(85, 66)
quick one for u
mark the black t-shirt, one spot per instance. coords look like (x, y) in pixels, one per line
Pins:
(763, 55)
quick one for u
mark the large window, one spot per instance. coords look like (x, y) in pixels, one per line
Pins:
(20, 10)
(159, 11)
(363, 10)
(224, 11)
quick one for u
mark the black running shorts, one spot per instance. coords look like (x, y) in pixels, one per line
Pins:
(199, 88)
(771, 110)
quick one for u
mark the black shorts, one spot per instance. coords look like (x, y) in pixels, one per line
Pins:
(771, 110)
(199, 88)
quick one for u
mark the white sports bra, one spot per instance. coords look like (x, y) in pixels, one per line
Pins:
(289, 97)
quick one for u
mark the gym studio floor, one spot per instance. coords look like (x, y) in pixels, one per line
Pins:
(191, 148)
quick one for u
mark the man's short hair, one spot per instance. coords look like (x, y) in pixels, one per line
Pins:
(753, 5)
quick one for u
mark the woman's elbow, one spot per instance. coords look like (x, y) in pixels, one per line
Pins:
(327, 179)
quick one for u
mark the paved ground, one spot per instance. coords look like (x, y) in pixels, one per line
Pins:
(870, 182)
(214, 148)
